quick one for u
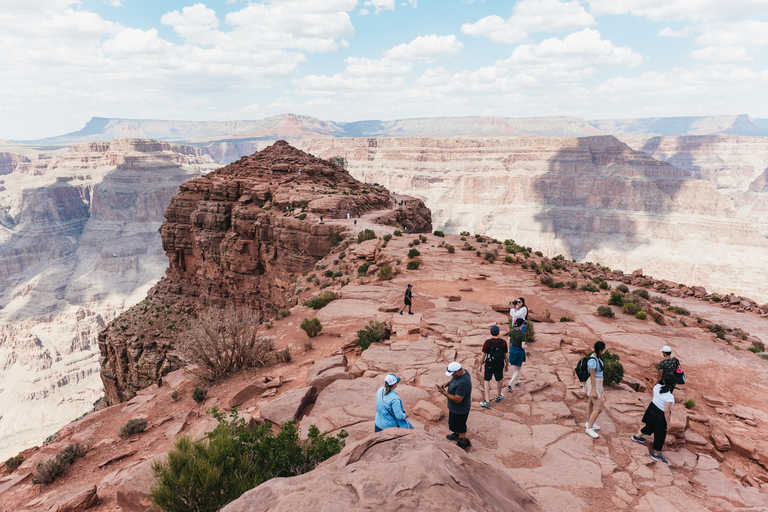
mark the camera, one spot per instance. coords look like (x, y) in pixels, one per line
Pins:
(515, 302)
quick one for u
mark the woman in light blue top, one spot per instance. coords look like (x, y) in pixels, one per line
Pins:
(593, 387)
(389, 408)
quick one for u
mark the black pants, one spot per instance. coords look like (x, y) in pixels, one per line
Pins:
(656, 425)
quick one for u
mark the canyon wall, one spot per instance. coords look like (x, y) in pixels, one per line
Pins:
(78, 244)
(592, 199)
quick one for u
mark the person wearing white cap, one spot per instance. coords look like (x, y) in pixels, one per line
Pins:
(389, 408)
(669, 364)
(458, 391)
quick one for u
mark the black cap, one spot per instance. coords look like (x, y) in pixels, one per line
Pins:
(494, 330)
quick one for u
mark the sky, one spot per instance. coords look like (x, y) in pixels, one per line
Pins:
(65, 61)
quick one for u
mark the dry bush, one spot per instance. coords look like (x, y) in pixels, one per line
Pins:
(224, 341)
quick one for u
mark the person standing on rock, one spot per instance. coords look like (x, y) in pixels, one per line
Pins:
(657, 416)
(407, 300)
(593, 387)
(495, 362)
(518, 310)
(389, 407)
(458, 391)
(517, 347)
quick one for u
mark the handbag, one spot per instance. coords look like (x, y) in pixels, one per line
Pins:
(680, 375)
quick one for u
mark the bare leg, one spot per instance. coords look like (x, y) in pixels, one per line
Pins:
(596, 410)
(515, 375)
(589, 411)
(499, 387)
(487, 389)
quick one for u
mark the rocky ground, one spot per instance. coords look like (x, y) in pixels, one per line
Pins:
(718, 450)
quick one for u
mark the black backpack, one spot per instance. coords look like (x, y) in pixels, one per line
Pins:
(582, 368)
(495, 353)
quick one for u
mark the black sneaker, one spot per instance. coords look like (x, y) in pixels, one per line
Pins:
(659, 458)
(410, 313)
(452, 437)
(640, 440)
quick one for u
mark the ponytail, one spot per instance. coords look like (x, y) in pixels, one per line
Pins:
(387, 389)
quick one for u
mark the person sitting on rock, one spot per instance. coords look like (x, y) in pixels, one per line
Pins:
(407, 300)
(593, 387)
(669, 364)
(495, 362)
(459, 395)
(657, 416)
(517, 347)
(389, 407)
(518, 310)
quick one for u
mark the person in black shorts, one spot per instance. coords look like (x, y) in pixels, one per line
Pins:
(495, 362)
(407, 300)
(458, 391)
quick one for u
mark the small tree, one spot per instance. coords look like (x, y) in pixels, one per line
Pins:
(311, 326)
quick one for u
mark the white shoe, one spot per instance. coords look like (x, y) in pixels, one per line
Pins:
(591, 433)
(594, 427)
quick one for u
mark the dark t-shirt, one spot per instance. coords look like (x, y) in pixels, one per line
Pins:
(669, 365)
(461, 387)
(408, 295)
(504, 350)
(516, 338)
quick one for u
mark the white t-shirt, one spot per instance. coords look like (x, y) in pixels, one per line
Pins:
(660, 399)
(518, 313)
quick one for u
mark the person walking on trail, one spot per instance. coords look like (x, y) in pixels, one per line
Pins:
(593, 387)
(517, 347)
(657, 416)
(458, 391)
(407, 300)
(518, 309)
(495, 361)
(669, 364)
(389, 407)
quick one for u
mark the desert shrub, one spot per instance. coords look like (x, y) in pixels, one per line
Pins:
(205, 475)
(571, 284)
(397, 232)
(48, 471)
(225, 341)
(336, 239)
(416, 241)
(530, 332)
(597, 280)
(479, 253)
(132, 427)
(464, 233)
(413, 253)
(342, 255)
(539, 253)
(283, 356)
(363, 269)
(302, 216)
(451, 249)
(588, 287)
(546, 279)
(616, 299)
(658, 299)
(641, 315)
(679, 310)
(642, 293)
(321, 300)
(490, 256)
(690, 403)
(764, 355)
(438, 233)
(423, 238)
(175, 396)
(328, 273)
(613, 370)
(646, 284)
(373, 332)
(282, 313)
(629, 309)
(325, 285)
(366, 234)
(508, 259)
(556, 284)
(311, 326)
(387, 237)
(622, 288)
(12, 463)
(385, 272)
(715, 298)
(199, 394)
(310, 277)
(337, 274)
(605, 311)
(566, 319)
(759, 345)
(603, 285)
(413, 264)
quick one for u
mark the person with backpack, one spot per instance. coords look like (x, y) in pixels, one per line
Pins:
(593, 387)
(389, 407)
(495, 362)
(671, 365)
(517, 347)
(657, 416)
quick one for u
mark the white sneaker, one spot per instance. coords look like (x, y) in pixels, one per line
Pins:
(591, 433)
(594, 427)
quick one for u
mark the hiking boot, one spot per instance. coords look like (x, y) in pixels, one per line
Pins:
(410, 313)
(401, 312)
(659, 458)
(485, 404)
(517, 384)
(640, 440)
(591, 433)
(595, 426)
(510, 388)
(500, 397)
(452, 437)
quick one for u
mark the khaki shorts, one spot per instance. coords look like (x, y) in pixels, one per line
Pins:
(598, 384)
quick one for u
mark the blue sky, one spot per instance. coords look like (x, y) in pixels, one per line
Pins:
(347, 60)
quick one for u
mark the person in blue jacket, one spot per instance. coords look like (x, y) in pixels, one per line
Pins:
(389, 408)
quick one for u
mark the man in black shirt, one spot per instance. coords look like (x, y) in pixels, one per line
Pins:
(459, 395)
(407, 300)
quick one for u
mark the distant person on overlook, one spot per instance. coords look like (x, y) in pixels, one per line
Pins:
(593, 387)
(407, 300)
(459, 395)
(517, 310)
(495, 362)
(657, 416)
(517, 347)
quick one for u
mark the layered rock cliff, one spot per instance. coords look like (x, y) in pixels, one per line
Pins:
(78, 243)
(240, 235)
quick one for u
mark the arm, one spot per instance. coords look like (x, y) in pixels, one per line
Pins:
(592, 381)
(453, 398)
(397, 410)
(668, 412)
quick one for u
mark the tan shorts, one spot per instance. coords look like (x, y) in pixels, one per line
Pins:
(598, 384)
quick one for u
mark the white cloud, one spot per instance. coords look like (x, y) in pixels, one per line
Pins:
(381, 5)
(358, 66)
(528, 17)
(670, 32)
(115, 3)
(675, 10)
(748, 33)
(197, 24)
(723, 54)
(426, 48)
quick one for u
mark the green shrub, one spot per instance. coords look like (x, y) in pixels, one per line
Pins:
(715, 298)
(464, 233)
(679, 310)
(416, 241)
(764, 355)
(48, 471)
(311, 326)
(603, 285)
(199, 394)
(605, 311)
(629, 309)
(283, 356)
(756, 349)
(282, 313)
(641, 315)
(690, 404)
(385, 272)
(451, 249)
(490, 256)
(205, 475)
(321, 300)
(478, 253)
(571, 284)
(175, 396)
(508, 259)
(366, 234)
(337, 274)
(658, 299)
(328, 273)
(336, 239)
(302, 216)
(12, 463)
(613, 370)
(413, 253)
(546, 279)
(132, 427)
(642, 293)
(413, 264)
(589, 287)
(622, 288)
(363, 269)
(397, 232)
(439, 233)
(566, 319)
(617, 299)
(387, 237)
(539, 253)
(372, 332)
(645, 284)
(530, 332)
